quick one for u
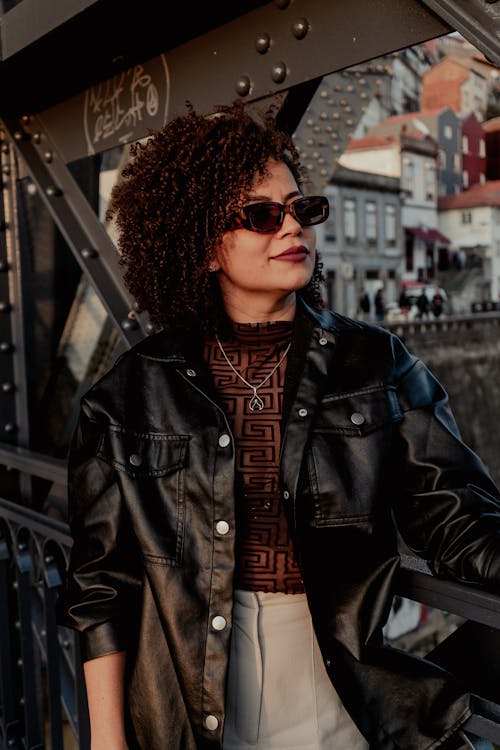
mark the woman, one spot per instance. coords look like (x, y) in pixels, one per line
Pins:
(234, 478)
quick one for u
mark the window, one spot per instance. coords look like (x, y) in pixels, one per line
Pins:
(390, 224)
(430, 181)
(371, 222)
(482, 148)
(350, 223)
(466, 217)
(482, 178)
(330, 228)
(372, 274)
(448, 132)
(442, 159)
(465, 144)
(408, 175)
(456, 162)
(466, 178)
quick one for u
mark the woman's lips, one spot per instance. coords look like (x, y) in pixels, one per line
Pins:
(293, 254)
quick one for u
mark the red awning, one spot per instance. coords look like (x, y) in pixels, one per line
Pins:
(429, 235)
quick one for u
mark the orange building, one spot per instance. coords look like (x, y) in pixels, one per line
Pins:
(452, 83)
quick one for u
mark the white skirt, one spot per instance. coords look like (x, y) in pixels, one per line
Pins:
(279, 694)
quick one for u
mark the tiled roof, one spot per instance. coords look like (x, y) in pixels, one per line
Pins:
(487, 194)
(370, 141)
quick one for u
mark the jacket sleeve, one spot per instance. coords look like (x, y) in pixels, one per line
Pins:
(103, 582)
(445, 504)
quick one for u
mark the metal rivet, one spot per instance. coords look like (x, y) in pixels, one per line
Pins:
(286, 495)
(129, 324)
(8, 387)
(37, 137)
(302, 412)
(6, 170)
(278, 72)
(219, 622)
(135, 459)
(357, 418)
(300, 28)
(53, 192)
(211, 722)
(89, 252)
(323, 341)
(262, 43)
(224, 440)
(222, 527)
(243, 85)
(48, 156)
(18, 135)
(10, 427)
(5, 307)
(6, 347)
(191, 373)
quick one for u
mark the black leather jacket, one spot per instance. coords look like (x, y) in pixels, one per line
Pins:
(368, 439)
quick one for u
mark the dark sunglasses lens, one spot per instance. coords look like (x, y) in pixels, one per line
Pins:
(310, 211)
(264, 217)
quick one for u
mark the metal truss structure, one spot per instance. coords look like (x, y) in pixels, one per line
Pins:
(79, 80)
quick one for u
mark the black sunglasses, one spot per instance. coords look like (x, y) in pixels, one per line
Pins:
(269, 216)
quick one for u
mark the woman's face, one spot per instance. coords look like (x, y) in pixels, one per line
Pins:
(257, 271)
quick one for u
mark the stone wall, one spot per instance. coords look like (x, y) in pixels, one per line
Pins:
(464, 354)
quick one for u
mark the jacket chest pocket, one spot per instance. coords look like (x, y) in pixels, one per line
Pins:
(347, 460)
(150, 469)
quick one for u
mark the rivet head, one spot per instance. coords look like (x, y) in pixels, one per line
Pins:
(10, 427)
(53, 192)
(129, 324)
(6, 170)
(278, 72)
(211, 722)
(8, 387)
(135, 459)
(191, 372)
(262, 43)
(37, 137)
(300, 28)
(48, 156)
(243, 86)
(323, 341)
(302, 412)
(89, 252)
(6, 347)
(357, 418)
(286, 495)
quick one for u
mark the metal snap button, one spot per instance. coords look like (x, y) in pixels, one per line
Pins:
(302, 412)
(219, 622)
(224, 440)
(222, 527)
(323, 341)
(286, 495)
(191, 373)
(135, 459)
(357, 418)
(211, 722)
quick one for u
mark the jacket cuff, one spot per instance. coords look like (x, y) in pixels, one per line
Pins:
(100, 640)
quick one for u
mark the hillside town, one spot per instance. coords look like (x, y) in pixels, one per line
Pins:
(407, 148)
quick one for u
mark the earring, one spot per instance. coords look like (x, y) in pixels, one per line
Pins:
(212, 268)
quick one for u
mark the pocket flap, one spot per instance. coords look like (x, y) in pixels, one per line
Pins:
(148, 454)
(354, 414)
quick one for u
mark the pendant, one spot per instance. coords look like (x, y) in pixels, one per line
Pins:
(256, 403)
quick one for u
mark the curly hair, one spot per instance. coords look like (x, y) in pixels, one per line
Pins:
(172, 206)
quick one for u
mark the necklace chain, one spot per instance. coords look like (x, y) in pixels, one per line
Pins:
(256, 403)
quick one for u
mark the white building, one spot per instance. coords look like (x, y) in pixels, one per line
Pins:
(472, 222)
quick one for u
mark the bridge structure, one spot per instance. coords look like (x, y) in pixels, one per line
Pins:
(79, 81)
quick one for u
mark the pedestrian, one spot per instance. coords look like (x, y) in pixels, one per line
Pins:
(423, 305)
(240, 478)
(364, 305)
(437, 304)
(379, 305)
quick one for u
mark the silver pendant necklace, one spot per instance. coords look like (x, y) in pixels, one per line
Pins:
(256, 403)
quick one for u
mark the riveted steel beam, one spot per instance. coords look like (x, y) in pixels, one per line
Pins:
(259, 54)
(78, 223)
(477, 20)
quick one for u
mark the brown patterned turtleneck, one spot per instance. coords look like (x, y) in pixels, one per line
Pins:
(264, 554)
